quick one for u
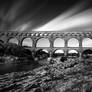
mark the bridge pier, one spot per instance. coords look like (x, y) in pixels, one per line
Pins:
(66, 45)
(80, 47)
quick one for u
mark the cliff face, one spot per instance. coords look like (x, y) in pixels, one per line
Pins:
(69, 76)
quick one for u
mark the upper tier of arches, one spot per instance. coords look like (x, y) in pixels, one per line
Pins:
(58, 42)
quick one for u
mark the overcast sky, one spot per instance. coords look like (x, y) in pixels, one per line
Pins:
(32, 14)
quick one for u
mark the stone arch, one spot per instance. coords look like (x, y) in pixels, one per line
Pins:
(59, 42)
(13, 40)
(58, 52)
(73, 53)
(73, 42)
(87, 42)
(27, 42)
(43, 42)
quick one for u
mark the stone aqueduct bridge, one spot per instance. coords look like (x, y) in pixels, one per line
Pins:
(35, 36)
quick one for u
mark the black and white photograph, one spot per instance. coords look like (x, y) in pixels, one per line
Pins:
(45, 45)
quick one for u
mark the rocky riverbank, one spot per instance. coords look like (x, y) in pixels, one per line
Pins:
(69, 76)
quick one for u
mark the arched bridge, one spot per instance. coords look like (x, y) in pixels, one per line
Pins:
(51, 41)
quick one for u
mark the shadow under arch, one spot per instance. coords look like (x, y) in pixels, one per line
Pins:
(73, 53)
(42, 54)
(1, 41)
(87, 54)
(43, 42)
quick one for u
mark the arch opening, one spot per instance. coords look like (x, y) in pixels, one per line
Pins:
(87, 42)
(43, 42)
(73, 53)
(59, 42)
(13, 41)
(27, 42)
(73, 42)
(58, 53)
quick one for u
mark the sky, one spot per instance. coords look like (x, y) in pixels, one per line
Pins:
(45, 15)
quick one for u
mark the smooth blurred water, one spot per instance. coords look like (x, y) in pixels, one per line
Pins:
(8, 67)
